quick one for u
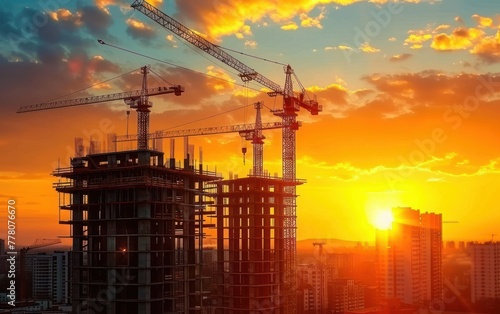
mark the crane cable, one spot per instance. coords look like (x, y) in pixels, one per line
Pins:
(93, 85)
(205, 118)
(175, 65)
(252, 56)
(188, 69)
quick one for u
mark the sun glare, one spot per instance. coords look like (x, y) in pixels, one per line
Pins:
(383, 220)
(379, 208)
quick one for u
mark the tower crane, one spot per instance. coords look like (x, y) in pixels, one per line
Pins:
(288, 113)
(137, 99)
(250, 132)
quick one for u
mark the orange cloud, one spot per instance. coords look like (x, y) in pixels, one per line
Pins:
(139, 30)
(291, 26)
(307, 21)
(461, 38)
(368, 49)
(475, 39)
(227, 17)
(488, 49)
(483, 21)
(400, 57)
(123, 4)
(442, 27)
(219, 80)
(416, 39)
(61, 14)
(251, 44)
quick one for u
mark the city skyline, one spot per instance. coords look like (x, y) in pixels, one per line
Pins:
(409, 104)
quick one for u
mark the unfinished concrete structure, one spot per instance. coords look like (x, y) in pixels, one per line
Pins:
(251, 250)
(136, 227)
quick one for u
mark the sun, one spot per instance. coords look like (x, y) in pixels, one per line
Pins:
(382, 220)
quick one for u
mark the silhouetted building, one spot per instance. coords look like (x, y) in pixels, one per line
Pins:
(409, 261)
(136, 226)
(60, 277)
(51, 277)
(461, 245)
(42, 277)
(485, 271)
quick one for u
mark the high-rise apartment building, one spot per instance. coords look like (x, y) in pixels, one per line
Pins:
(409, 264)
(345, 294)
(42, 277)
(485, 271)
(312, 283)
(51, 277)
(60, 277)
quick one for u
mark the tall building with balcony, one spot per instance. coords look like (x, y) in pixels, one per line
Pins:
(409, 263)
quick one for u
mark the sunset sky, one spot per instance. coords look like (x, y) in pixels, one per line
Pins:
(410, 93)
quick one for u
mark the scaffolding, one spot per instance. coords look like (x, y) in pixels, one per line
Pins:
(251, 245)
(137, 227)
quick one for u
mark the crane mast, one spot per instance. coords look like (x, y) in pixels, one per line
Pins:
(257, 139)
(291, 105)
(137, 99)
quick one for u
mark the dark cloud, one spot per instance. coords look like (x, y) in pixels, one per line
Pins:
(7, 30)
(197, 85)
(141, 31)
(96, 21)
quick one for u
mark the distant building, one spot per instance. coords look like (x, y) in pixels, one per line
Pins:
(409, 262)
(485, 271)
(42, 277)
(51, 277)
(450, 245)
(345, 294)
(60, 277)
(311, 286)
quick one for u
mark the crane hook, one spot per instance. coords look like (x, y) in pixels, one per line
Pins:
(244, 151)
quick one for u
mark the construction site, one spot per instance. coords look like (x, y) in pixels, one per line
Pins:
(139, 219)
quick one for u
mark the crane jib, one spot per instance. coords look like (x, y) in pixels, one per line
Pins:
(177, 90)
(193, 38)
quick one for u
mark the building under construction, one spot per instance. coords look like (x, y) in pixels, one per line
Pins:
(136, 226)
(252, 254)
